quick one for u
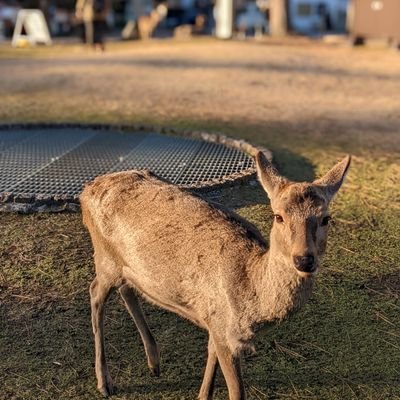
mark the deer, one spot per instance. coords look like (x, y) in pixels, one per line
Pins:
(146, 24)
(203, 262)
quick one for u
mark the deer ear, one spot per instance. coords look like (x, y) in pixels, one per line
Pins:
(268, 176)
(332, 181)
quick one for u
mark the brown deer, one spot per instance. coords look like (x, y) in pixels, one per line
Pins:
(146, 24)
(203, 262)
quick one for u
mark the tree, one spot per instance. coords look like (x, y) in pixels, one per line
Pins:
(279, 17)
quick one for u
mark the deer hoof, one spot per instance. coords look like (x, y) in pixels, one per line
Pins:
(155, 370)
(106, 390)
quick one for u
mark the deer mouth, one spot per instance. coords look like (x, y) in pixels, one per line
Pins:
(308, 271)
(307, 274)
(305, 265)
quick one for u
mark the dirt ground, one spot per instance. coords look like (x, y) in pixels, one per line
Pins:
(298, 85)
(310, 103)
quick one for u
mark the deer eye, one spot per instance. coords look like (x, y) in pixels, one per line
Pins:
(325, 220)
(278, 218)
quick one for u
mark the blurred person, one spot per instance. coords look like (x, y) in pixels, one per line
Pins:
(142, 18)
(134, 10)
(1, 21)
(323, 12)
(252, 19)
(205, 8)
(60, 21)
(44, 7)
(93, 13)
(8, 17)
(188, 12)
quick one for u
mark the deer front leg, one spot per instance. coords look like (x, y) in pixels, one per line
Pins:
(231, 368)
(99, 293)
(150, 345)
(207, 387)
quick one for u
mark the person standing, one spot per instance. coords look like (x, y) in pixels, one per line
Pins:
(93, 13)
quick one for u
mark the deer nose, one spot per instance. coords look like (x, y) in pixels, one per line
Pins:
(304, 263)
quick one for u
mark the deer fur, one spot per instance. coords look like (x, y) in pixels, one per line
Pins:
(203, 262)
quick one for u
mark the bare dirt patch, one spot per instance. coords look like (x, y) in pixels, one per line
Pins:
(314, 89)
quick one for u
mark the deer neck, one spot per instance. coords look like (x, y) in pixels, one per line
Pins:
(280, 288)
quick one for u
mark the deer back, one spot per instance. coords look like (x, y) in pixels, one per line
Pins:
(181, 252)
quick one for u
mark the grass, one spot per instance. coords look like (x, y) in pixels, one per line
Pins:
(345, 344)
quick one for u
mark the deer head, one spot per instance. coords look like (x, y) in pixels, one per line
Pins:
(301, 216)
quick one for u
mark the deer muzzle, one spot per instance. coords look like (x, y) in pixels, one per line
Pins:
(305, 263)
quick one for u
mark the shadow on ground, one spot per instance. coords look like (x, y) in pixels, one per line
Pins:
(185, 64)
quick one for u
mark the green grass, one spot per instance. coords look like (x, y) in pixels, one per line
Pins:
(345, 344)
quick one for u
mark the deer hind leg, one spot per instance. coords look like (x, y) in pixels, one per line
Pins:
(231, 368)
(99, 292)
(207, 387)
(150, 345)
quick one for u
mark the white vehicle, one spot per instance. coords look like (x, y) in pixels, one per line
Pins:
(318, 16)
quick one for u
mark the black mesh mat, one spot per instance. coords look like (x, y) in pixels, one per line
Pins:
(58, 161)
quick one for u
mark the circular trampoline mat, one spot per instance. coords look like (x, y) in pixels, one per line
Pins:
(51, 164)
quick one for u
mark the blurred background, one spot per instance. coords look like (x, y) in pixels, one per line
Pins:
(140, 19)
(288, 81)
